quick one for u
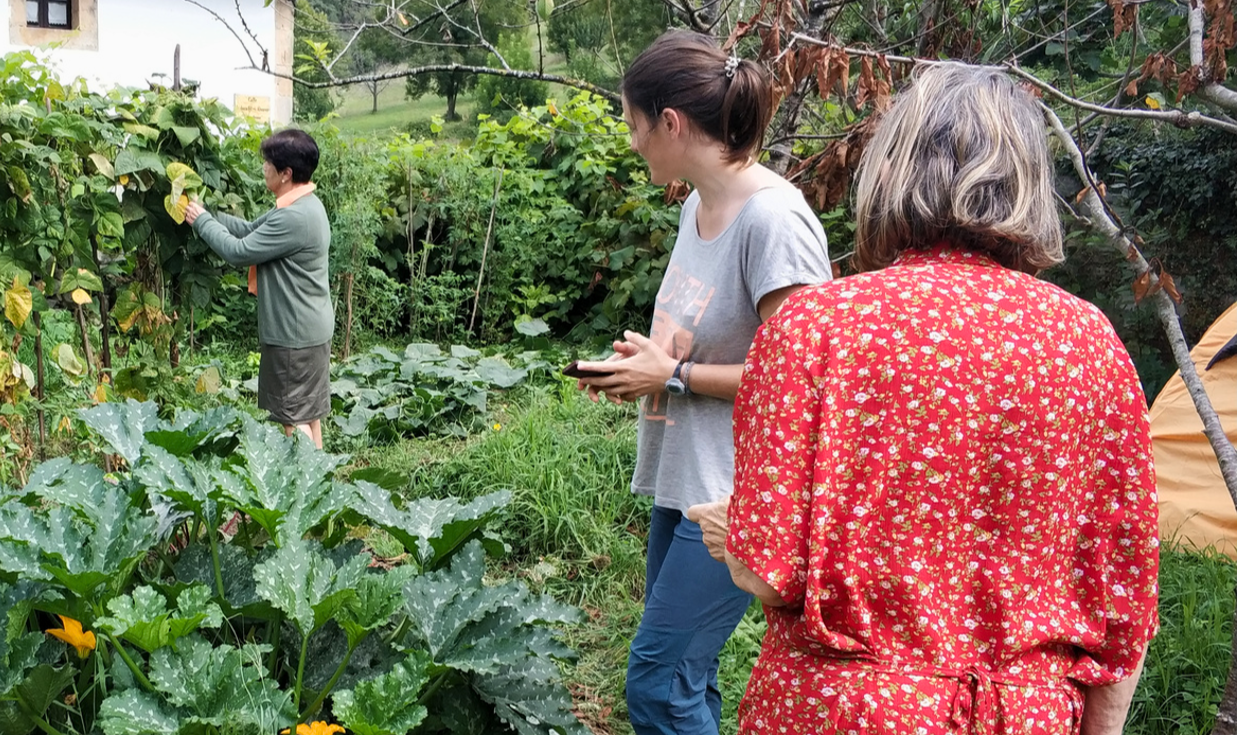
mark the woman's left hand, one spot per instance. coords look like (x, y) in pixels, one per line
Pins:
(643, 372)
(192, 212)
(714, 521)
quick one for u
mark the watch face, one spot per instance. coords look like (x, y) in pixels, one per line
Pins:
(675, 387)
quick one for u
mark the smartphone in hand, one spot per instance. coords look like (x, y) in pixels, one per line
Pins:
(573, 371)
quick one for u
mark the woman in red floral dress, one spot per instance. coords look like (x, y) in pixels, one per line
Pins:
(944, 490)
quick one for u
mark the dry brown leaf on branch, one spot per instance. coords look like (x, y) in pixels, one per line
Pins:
(1215, 59)
(871, 87)
(1143, 287)
(771, 40)
(1032, 90)
(825, 177)
(783, 78)
(832, 69)
(1170, 286)
(1221, 36)
(1100, 188)
(1187, 82)
(867, 81)
(676, 192)
(808, 61)
(1123, 16)
(883, 64)
(743, 28)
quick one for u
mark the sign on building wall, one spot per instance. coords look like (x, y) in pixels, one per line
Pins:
(253, 106)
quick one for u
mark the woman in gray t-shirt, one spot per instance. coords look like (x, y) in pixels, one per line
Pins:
(746, 241)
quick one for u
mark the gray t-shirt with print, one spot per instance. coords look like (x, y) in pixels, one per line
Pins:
(706, 313)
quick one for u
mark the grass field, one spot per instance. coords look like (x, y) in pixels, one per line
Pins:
(395, 112)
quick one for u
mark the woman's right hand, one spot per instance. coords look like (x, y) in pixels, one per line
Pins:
(193, 211)
(594, 393)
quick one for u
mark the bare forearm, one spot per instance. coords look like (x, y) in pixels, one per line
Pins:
(1105, 708)
(747, 581)
(718, 381)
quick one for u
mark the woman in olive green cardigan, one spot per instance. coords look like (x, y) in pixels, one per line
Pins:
(288, 246)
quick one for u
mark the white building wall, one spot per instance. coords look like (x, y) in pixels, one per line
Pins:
(136, 39)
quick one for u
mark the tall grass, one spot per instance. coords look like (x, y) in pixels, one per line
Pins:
(1187, 664)
(577, 532)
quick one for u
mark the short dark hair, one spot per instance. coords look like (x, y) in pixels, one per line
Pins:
(294, 149)
(730, 101)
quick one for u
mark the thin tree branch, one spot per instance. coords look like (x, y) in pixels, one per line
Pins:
(1100, 220)
(1180, 118)
(426, 20)
(1116, 100)
(689, 14)
(231, 30)
(248, 31)
(1209, 89)
(580, 84)
(328, 68)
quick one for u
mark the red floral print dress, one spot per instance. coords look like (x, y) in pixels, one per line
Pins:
(944, 468)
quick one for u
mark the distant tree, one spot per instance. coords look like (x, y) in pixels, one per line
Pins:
(505, 93)
(600, 37)
(459, 35)
(311, 103)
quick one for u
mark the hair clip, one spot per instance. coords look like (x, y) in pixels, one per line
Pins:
(732, 63)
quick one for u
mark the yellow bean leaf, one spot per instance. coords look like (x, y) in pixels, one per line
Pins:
(18, 303)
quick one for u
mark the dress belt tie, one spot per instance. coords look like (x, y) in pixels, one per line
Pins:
(975, 700)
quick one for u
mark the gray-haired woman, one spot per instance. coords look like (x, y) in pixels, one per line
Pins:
(943, 484)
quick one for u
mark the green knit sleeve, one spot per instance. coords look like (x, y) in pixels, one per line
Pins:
(238, 227)
(275, 235)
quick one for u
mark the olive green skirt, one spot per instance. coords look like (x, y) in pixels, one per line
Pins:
(294, 385)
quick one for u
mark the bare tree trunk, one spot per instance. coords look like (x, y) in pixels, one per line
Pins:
(451, 95)
(373, 91)
(540, 48)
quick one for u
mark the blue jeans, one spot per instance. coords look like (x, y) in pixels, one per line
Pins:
(690, 608)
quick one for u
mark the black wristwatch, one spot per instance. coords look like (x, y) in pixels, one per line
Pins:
(676, 386)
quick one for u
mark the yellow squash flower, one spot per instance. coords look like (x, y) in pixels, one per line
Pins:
(317, 727)
(73, 634)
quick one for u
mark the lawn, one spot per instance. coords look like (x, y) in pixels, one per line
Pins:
(395, 113)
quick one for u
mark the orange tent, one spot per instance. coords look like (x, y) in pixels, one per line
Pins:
(1195, 508)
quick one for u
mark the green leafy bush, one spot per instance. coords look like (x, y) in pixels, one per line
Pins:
(215, 585)
(381, 395)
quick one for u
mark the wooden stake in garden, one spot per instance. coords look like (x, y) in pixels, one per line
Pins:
(485, 249)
